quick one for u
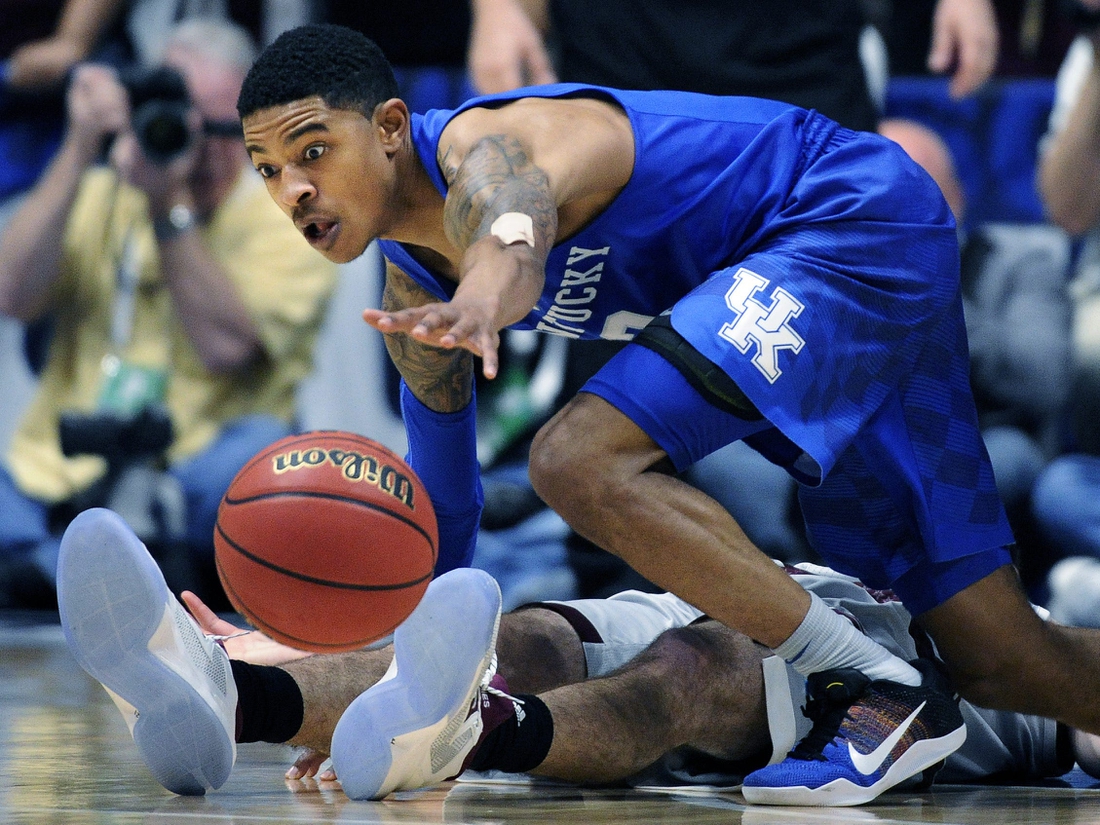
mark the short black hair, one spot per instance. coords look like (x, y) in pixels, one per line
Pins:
(342, 66)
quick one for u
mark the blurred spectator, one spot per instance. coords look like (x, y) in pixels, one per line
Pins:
(1067, 493)
(1018, 313)
(149, 23)
(803, 52)
(1069, 182)
(40, 41)
(1034, 36)
(183, 304)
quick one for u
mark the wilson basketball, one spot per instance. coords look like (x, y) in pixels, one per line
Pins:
(325, 541)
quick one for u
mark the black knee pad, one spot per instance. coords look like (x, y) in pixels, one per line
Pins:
(708, 379)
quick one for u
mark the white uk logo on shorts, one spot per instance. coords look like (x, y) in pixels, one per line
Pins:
(766, 324)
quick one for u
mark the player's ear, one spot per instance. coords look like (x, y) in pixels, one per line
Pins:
(392, 121)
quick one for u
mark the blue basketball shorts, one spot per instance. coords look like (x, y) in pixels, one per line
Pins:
(872, 515)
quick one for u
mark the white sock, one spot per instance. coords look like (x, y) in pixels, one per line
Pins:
(826, 640)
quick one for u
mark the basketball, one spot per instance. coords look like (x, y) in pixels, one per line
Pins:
(325, 541)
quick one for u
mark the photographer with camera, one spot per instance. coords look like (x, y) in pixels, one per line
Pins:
(183, 307)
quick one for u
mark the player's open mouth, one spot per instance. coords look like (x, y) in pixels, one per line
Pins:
(321, 234)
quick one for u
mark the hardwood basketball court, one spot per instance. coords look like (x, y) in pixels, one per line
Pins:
(66, 758)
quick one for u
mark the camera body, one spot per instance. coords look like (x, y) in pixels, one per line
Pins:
(159, 102)
(118, 438)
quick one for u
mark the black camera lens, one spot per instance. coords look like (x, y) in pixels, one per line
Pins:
(161, 129)
(159, 104)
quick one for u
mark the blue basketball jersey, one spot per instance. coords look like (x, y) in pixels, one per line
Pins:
(717, 181)
(710, 178)
(818, 267)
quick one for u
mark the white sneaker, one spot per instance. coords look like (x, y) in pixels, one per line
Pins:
(417, 726)
(172, 683)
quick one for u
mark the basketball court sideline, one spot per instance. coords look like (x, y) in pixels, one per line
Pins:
(66, 757)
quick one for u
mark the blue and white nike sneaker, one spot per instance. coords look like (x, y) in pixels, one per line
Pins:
(172, 682)
(866, 737)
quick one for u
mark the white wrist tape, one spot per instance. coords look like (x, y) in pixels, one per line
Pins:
(514, 227)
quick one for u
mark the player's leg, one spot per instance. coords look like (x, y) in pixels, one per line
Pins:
(174, 685)
(645, 413)
(867, 735)
(417, 726)
(546, 645)
(623, 504)
(186, 703)
(945, 554)
(1037, 667)
(699, 686)
(628, 501)
(538, 650)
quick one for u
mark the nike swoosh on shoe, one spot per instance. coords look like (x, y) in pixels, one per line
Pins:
(868, 763)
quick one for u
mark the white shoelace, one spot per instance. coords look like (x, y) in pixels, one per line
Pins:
(485, 686)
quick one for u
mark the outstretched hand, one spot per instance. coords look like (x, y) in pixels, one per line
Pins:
(252, 647)
(447, 325)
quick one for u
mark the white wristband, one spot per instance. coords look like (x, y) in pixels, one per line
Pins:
(514, 227)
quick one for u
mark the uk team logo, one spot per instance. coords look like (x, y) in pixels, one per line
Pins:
(765, 324)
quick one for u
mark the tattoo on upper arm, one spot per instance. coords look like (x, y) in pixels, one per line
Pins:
(441, 378)
(495, 177)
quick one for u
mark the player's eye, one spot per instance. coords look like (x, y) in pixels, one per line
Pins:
(266, 170)
(314, 152)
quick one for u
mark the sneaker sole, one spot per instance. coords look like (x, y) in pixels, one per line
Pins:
(435, 649)
(112, 598)
(843, 792)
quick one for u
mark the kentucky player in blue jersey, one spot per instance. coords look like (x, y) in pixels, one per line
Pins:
(782, 280)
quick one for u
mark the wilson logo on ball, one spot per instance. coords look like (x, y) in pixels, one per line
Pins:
(353, 466)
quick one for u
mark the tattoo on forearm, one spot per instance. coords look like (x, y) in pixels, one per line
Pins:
(495, 177)
(441, 378)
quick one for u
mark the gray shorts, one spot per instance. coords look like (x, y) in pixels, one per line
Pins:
(998, 743)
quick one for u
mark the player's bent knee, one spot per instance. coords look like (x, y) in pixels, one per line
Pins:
(988, 666)
(713, 679)
(692, 653)
(539, 650)
(562, 468)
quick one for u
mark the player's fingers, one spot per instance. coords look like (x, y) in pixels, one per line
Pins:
(402, 321)
(207, 619)
(431, 325)
(307, 764)
(487, 346)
